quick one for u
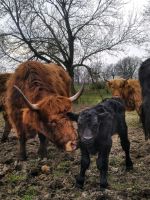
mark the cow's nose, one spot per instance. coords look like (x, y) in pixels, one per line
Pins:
(116, 96)
(88, 139)
(71, 146)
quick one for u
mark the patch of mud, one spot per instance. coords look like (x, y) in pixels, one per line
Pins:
(28, 181)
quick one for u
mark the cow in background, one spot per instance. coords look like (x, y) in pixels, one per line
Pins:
(37, 103)
(7, 127)
(96, 126)
(129, 90)
(144, 78)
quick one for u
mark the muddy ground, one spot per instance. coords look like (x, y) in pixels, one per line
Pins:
(29, 181)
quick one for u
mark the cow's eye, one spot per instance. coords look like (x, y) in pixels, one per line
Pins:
(52, 124)
(79, 123)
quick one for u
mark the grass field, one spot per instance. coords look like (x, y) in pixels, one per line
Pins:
(91, 97)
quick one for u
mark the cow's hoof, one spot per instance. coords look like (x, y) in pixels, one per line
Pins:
(79, 182)
(128, 168)
(146, 138)
(4, 139)
(22, 158)
(79, 186)
(42, 153)
(103, 186)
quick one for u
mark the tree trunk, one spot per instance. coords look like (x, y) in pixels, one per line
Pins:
(73, 90)
(71, 73)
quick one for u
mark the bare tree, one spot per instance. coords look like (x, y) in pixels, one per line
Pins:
(108, 72)
(68, 32)
(146, 27)
(127, 67)
(90, 75)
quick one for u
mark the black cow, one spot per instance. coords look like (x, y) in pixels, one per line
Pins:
(96, 125)
(144, 78)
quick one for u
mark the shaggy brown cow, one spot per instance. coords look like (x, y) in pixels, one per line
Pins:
(47, 86)
(129, 90)
(3, 79)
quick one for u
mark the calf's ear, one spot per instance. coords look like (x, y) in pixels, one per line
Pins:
(73, 116)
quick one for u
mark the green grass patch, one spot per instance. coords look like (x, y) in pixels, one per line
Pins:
(133, 119)
(27, 197)
(63, 165)
(115, 161)
(14, 178)
(30, 193)
(58, 173)
(92, 97)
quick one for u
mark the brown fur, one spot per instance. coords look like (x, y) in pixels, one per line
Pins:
(3, 80)
(48, 86)
(129, 90)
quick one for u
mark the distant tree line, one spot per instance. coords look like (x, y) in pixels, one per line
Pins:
(124, 68)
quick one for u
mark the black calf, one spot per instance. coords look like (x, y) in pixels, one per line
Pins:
(96, 126)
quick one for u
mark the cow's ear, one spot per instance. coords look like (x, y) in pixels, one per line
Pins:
(108, 83)
(73, 116)
(124, 82)
(103, 116)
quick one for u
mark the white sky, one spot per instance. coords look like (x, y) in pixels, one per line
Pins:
(139, 51)
(136, 6)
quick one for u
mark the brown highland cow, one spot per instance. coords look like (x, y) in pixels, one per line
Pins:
(37, 103)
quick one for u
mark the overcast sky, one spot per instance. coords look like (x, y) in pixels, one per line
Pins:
(132, 6)
(136, 6)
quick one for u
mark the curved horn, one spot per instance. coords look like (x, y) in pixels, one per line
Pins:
(106, 80)
(126, 79)
(78, 94)
(33, 107)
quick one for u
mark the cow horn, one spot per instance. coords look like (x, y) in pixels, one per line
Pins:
(78, 94)
(106, 80)
(33, 107)
(126, 79)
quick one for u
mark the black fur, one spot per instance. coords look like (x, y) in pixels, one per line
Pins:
(96, 125)
(144, 78)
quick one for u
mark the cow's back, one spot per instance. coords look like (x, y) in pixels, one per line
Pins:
(114, 105)
(61, 79)
(36, 80)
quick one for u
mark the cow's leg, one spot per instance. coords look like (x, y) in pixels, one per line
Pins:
(7, 129)
(145, 121)
(42, 151)
(84, 165)
(125, 145)
(102, 163)
(146, 128)
(22, 147)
